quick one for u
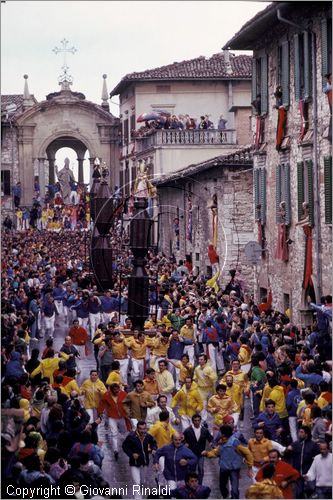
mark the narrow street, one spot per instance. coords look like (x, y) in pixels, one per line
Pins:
(118, 473)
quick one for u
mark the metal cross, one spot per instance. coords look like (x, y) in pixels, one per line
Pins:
(64, 49)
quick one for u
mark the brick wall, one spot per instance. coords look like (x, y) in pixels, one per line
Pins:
(234, 189)
(287, 278)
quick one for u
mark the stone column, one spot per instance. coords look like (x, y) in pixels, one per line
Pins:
(80, 170)
(51, 170)
(91, 161)
(41, 175)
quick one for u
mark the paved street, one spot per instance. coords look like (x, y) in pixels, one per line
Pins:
(118, 473)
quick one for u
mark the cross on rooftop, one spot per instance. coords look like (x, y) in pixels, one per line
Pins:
(65, 80)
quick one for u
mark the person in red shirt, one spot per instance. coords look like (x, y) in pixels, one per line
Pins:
(284, 474)
(266, 303)
(79, 336)
(112, 404)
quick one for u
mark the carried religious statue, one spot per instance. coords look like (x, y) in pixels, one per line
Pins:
(143, 188)
(66, 180)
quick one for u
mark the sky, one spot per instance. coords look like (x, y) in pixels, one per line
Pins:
(111, 37)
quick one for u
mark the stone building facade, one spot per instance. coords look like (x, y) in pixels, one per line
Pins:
(216, 85)
(33, 134)
(292, 208)
(185, 204)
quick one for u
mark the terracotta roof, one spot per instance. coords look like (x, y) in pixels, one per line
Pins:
(201, 68)
(13, 99)
(240, 157)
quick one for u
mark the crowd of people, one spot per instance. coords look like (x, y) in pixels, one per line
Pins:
(179, 122)
(208, 364)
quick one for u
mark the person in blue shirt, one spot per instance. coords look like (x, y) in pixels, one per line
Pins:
(175, 352)
(179, 459)
(293, 399)
(109, 304)
(269, 420)
(191, 489)
(311, 377)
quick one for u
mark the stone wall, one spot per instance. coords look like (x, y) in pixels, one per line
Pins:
(286, 278)
(234, 189)
(9, 161)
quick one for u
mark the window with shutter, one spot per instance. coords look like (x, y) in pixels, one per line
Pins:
(127, 180)
(297, 76)
(309, 168)
(300, 188)
(125, 131)
(328, 188)
(287, 198)
(5, 183)
(277, 193)
(326, 47)
(256, 193)
(307, 91)
(132, 125)
(302, 65)
(263, 194)
(264, 84)
(285, 73)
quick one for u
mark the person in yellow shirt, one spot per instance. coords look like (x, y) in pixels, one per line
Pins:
(241, 379)
(188, 332)
(205, 376)
(120, 354)
(138, 345)
(115, 375)
(47, 366)
(162, 430)
(244, 355)
(165, 380)
(92, 389)
(260, 447)
(189, 401)
(235, 392)
(277, 395)
(150, 383)
(159, 346)
(220, 405)
(184, 366)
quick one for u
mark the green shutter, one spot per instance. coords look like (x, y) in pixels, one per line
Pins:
(300, 188)
(264, 84)
(286, 174)
(285, 74)
(328, 188)
(309, 167)
(307, 64)
(263, 194)
(297, 76)
(254, 79)
(277, 192)
(256, 193)
(324, 46)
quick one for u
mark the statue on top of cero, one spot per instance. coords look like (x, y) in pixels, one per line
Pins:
(66, 180)
(143, 188)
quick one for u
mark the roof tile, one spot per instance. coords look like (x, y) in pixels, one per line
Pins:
(214, 67)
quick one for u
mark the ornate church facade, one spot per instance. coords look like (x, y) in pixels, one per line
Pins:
(32, 132)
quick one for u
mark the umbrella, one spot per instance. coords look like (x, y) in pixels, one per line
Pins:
(148, 116)
(162, 112)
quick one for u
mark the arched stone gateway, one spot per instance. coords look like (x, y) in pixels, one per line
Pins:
(64, 119)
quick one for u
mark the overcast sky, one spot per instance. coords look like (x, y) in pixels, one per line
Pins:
(111, 37)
